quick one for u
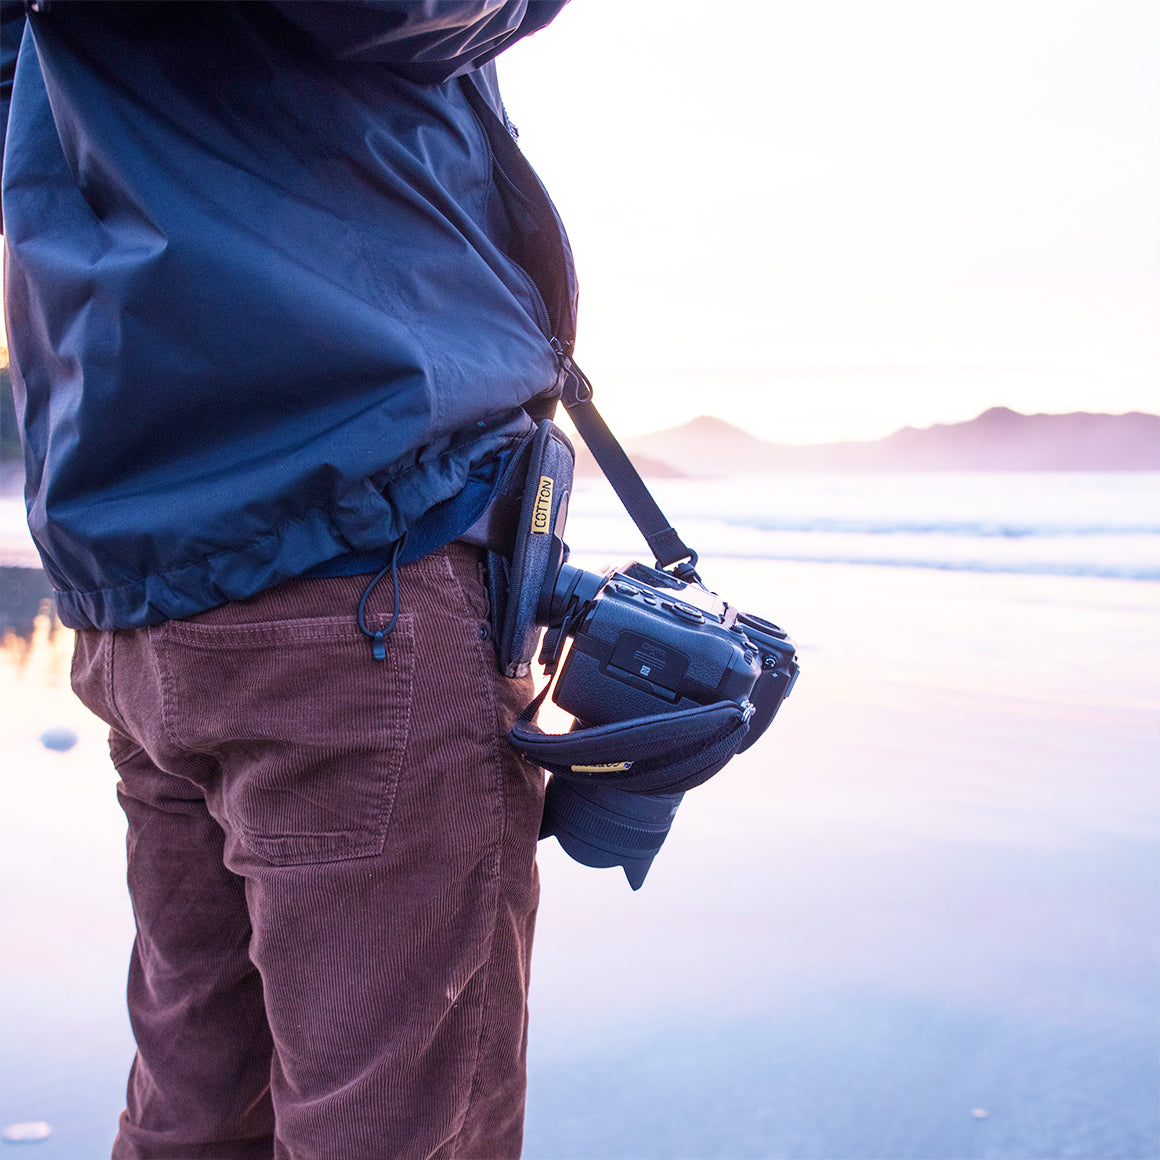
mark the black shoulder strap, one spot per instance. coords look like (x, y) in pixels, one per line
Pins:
(662, 539)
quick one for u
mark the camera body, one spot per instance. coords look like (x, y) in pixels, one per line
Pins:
(644, 642)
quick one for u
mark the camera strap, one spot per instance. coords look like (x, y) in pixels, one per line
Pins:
(665, 544)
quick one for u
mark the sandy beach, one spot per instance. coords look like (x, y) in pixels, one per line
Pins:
(917, 920)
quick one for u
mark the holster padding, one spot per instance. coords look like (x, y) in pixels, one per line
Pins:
(539, 476)
(665, 753)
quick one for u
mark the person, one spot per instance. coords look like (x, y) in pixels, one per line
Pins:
(282, 295)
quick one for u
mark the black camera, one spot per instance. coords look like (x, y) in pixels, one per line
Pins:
(666, 682)
(644, 642)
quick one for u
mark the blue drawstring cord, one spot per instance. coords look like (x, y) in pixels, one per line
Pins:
(378, 639)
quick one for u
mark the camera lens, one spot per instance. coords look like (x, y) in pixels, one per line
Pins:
(565, 584)
(559, 584)
(600, 826)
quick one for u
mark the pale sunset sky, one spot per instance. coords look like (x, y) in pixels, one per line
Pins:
(826, 220)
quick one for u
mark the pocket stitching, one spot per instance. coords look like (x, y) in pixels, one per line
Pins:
(303, 847)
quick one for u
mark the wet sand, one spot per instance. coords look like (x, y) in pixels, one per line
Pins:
(918, 919)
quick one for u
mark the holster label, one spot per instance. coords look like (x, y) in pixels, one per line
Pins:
(542, 511)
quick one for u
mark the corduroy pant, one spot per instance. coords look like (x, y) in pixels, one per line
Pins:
(331, 864)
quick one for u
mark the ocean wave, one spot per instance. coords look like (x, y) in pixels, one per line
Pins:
(980, 528)
(1075, 523)
(1129, 555)
(1060, 566)
(1029, 568)
(1000, 505)
(1072, 525)
(884, 553)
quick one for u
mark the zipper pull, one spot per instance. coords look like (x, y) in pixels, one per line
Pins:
(574, 385)
(513, 132)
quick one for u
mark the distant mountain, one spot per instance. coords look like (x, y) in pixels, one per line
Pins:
(997, 440)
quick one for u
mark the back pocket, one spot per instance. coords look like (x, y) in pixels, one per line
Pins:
(307, 729)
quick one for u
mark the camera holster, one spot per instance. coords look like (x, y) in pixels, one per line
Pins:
(521, 530)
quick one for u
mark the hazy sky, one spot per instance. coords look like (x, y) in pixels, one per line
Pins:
(828, 219)
(825, 219)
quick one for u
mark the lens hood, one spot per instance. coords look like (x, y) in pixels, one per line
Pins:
(599, 826)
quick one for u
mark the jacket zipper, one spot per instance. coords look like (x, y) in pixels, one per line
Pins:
(572, 383)
(543, 316)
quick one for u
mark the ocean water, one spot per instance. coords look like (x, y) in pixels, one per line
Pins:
(1063, 523)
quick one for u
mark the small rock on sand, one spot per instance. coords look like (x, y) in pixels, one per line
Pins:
(30, 1132)
(58, 738)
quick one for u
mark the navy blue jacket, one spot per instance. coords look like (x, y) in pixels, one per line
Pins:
(279, 281)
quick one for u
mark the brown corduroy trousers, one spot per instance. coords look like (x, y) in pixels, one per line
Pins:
(332, 870)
